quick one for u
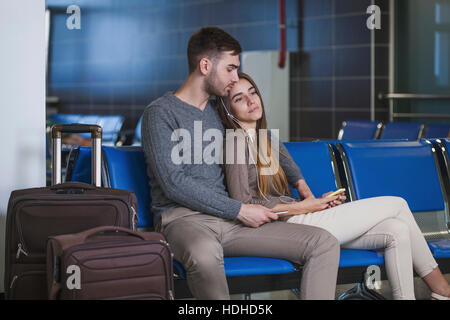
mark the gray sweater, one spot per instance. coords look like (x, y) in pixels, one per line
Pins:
(196, 185)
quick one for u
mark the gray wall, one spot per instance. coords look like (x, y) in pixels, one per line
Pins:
(331, 72)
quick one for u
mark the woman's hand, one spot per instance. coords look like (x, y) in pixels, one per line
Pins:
(311, 204)
(340, 198)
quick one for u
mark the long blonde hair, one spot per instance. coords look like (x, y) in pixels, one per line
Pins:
(279, 179)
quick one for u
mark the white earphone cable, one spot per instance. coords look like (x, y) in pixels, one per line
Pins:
(249, 137)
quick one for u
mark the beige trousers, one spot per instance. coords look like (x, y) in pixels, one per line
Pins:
(200, 242)
(375, 223)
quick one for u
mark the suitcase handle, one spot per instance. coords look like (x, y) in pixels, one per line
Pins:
(94, 130)
(89, 233)
(96, 136)
(72, 186)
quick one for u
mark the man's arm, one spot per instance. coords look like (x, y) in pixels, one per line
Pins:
(303, 189)
(157, 128)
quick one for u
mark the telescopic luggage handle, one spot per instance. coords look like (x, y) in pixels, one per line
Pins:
(96, 137)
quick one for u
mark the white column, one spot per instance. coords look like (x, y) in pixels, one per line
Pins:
(22, 102)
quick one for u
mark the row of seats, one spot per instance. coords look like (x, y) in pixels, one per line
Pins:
(362, 129)
(418, 171)
(369, 130)
(351, 129)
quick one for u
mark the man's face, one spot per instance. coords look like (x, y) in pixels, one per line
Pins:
(223, 75)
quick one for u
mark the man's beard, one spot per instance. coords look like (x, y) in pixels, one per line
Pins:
(210, 84)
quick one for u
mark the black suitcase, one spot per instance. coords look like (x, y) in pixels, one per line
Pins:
(37, 213)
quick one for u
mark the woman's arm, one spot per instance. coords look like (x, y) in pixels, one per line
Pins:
(305, 206)
(304, 191)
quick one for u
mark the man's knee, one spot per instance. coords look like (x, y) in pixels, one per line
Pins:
(204, 256)
(325, 243)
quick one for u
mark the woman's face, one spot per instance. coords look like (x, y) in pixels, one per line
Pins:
(245, 103)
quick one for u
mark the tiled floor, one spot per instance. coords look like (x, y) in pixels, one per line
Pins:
(421, 290)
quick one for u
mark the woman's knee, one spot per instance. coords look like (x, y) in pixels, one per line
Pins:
(396, 202)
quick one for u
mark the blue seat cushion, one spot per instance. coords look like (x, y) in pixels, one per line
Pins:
(440, 248)
(360, 258)
(247, 266)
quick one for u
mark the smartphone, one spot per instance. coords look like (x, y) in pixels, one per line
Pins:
(339, 191)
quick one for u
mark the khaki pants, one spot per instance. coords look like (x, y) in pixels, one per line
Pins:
(200, 242)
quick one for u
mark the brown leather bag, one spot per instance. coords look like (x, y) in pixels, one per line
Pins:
(109, 263)
(37, 213)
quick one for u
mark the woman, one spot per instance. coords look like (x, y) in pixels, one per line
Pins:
(379, 222)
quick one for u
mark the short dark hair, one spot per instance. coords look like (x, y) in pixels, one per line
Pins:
(209, 41)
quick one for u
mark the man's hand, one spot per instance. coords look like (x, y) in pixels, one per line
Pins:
(253, 215)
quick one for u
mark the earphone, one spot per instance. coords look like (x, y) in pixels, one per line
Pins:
(248, 136)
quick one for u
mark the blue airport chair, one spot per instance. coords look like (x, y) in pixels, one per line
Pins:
(137, 139)
(79, 165)
(444, 145)
(337, 155)
(437, 131)
(402, 130)
(319, 167)
(405, 169)
(89, 119)
(125, 168)
(65, 118)
(360, 129)
(443, 150)
(122, 168)
(111, 125)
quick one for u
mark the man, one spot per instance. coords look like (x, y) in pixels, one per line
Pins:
(190, 203)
